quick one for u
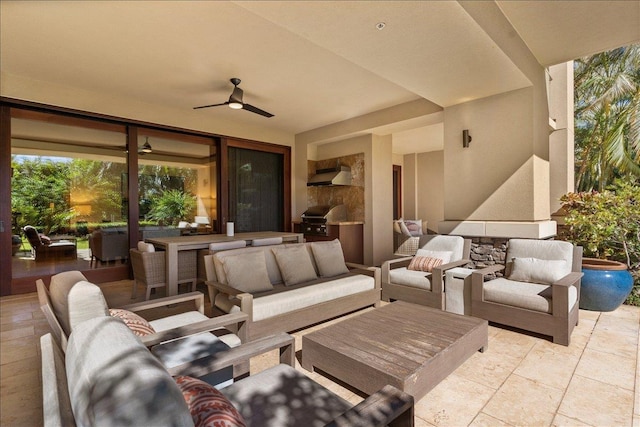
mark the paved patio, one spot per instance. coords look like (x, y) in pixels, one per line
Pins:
(520, 380)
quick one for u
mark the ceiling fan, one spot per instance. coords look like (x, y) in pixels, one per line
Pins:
(235, 101)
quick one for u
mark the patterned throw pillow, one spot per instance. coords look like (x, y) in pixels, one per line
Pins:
(137, 324)
(208, 407)
(424, 263)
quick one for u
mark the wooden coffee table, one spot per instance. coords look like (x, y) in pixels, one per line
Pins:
(409, 346)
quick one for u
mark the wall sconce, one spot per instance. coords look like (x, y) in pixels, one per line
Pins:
(466, 138)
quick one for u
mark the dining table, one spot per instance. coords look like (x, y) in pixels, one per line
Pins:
(172, 245)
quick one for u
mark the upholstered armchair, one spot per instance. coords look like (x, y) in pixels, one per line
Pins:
(424, 284)
(45, 249)
(540, 290)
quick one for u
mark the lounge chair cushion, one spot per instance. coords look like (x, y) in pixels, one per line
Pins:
(295, 264)
(75, 300)
(329, 258)
(536, 270)
(416, 279)
(453, 244)
(281, 396)
(189, 318)
(531, 296)
(121, 383)
(207, 405)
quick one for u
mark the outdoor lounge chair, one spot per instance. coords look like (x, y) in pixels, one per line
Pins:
(419, 287)
(540, 291)
(72, 300)
(45, 249)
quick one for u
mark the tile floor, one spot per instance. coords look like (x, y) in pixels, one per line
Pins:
(519, 380)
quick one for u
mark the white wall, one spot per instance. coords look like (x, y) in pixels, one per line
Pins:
(431, 188)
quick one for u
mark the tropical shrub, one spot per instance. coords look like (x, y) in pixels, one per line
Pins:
(607, 225)
(172, 206)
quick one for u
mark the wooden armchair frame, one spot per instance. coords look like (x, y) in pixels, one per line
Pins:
(432, 298)
(558, 324)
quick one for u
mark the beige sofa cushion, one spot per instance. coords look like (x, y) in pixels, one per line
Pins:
(453, 244)
(329, 258)
(536, 270)
(114, 380)
(307, 296)
(269, 257)
(295, 264)
(75, 300)
(416, 279)
(247, 272)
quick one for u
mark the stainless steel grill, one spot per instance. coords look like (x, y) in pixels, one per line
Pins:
(315, 219)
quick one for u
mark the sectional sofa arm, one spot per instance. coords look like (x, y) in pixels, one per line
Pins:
(196, 297)
(238, 356)
(387, 407)
(208, 325)
(571, 279)
(374, 272)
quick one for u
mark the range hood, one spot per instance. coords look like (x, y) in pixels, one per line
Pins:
(340, 175)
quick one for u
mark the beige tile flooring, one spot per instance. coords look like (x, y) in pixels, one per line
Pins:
(519, 380)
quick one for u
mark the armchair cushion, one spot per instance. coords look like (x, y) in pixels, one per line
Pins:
(138, 325)
(207, 405)
(530, 296)
(146, 247)
(424, 263)
(75, 300)
(445, 256)
(247, 272)
(298, 398)
(329, 258)
(416, 279)
(536, 270)
(295, 264)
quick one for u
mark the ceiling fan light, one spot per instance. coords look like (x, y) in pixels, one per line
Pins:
(235, 105)
(146, 147)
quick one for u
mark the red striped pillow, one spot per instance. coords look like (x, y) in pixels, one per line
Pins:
(137, 324)
(424, 263)
(208, 407)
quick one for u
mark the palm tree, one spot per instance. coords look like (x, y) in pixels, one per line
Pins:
(607, 111)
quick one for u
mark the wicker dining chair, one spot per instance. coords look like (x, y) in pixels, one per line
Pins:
(149, 270)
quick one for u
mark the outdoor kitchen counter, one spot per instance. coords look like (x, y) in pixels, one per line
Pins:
(172, 245)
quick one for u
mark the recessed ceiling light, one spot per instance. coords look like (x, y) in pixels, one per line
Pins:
(380, 25)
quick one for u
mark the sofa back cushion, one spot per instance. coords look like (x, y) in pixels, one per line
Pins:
(295, 264)
(329, 258)
(75, 300)
(270, 260)
(114, 380)
(247, 272)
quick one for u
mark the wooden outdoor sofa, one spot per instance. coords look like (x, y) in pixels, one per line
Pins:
(300, 284)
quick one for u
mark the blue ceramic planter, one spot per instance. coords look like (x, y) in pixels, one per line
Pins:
(605, 284)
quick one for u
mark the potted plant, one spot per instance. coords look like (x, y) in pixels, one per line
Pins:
(607, 225)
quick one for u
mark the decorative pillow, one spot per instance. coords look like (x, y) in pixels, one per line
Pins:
(329, 258)
(536, 270)
(295, 264)
(208, 407)
(137, 324)
(404, 229)
(247, 272)
(146, 247)
(424, 263)
(46, 240)
(414, 226)
(396, 226)
(445, 256)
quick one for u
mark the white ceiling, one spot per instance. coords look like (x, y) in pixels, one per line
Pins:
(311, 63)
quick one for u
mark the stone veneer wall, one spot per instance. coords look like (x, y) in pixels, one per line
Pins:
(352, 196)
(486, 251)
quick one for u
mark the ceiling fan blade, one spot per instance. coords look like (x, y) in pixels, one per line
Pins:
(256, 110)
(212, 105)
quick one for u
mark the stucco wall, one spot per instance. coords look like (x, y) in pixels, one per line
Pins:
(499, 177)
(431, 188)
